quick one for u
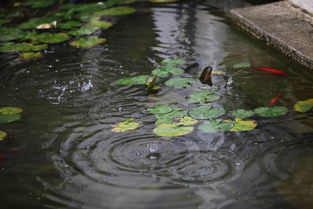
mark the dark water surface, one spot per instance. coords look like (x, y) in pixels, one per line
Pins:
(69, 158)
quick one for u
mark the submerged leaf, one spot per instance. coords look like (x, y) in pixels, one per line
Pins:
(213, 126)
(10, 110)
(8, 118)
(3, 135)
(136, 80)
(242, 65)
(126, 125)
(180, 82)
(243, 125)
(271, 111)
(173, 62)
(116, 11)
(206, 112)
(303, 106)
(30, 55)
(87, 42)
(170, 116)
(202, 97)
(21, 47)
(241, 113)
(172, 130)
(160, 109)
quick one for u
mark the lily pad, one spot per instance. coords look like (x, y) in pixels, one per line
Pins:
(206, 112)
(3, 135)
(202, 97)
(180, 82)
(116, 11)
(172, 130)
(271, 111)
(241, 113)
(84, 30)
(169, 117)
(303, 106)
(97, 23)
(69, 25)
(32, 23)
(160, 109)
(9, 34)
(187, 121)
(136, 80)
(30, 55)
(209, 88)
(21, 47)
(173, 62)
(10, 110)
(52, 38)
(126, 125)
(39, 3)
(8, 118)
(213, 126)
(243, 125)
(87, 42)
(242, 65)
(166, 71)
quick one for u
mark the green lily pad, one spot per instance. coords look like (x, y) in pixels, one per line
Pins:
(39, 3)
(3, 21)
(116, 11)
(241, 113)
(3, 135)
(97, 23)
(32, 23)
(187, 121)
(206, 112)
(21, 47)
(87, 42)
(243, 125)
(213, 126)
(126, 125)
(169, 117)
(166, 71)
(10, 110)
(30, 55)
(303, 106)
(160, 109)
(69, 25)
(111, 3)
(136, 80)
(180, 82)
(173, 62)
(52, 38)
(172, 130)
(84, 30)
(209, 88)
(202, 97)
(8, 118)
(9, 34)
(271, 111)
(242, 65)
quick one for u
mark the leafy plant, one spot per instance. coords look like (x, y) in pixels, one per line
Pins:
(242, 113)
(160, 109)
(180, 82)
(213, 126)
(206, 112)
(126, 125)
(303, 106)
(202, 97)
(271, 111)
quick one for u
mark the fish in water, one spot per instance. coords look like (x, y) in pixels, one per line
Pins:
(275, 99)
(205, 77)
(271, 70)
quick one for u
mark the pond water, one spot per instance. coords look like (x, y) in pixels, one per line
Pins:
(66, 155)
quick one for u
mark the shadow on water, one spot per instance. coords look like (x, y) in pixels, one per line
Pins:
(69, 158)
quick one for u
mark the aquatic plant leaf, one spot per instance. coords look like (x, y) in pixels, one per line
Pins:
(136, 80)
(242, 65)
(32, 23)
(160, 109)
(187, 121)
(30, 55)
(169, 117)
(180, 82)
(173, 62)
(116, 11)
(202, 97)
(271, 111)
(172, 130)
(241, 113)
(38, 3)
(52, 38)
(243, 125)
(213, 126)
(209, 88)
(206, 112)
(151, 83)
(9, 34)
(84, 30)
(97, 23)
(3, 21)
(3, 135)
(10, 110)
(166, 71)
(69, 24)
(110, 3)
(21, 47)
(303, 106)
(8, 118)
(127, 125)
(87, 42)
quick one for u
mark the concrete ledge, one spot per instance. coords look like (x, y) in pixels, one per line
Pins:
(282, 26)
(306, 5)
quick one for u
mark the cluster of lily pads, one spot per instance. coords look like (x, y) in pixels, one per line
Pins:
(78, 22)
(8, 115)
(173, 121)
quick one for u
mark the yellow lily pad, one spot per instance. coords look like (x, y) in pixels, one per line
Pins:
(2, 135)
(303, 106)
(243, 125)
(87, 42)
(10, 110)
(172, 130)
(187, 121)
(126, 125)
(30, 55)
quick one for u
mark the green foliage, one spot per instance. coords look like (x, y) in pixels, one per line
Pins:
(160, 109)
(3, 135)
(21, 47)
(69, 25)
(180, 82)
(84, 30)
(172, 130)
(271, 111)
(187, 121)
(202, 97)
(30, 55)
(87, 42)
(10, 34)
(115, 11)
(136, 80)
(213, 126)
(206, 112)
(39, 3)
(241, 113)
(52, 38)
(209, 88)
(10, 110)
(242, 65)
(173, 62)
(97, 23)
(34, 22)
(167, 71)
(8, 118)
(126, 125)
(243, 125)
(303, 106)
(170, 116)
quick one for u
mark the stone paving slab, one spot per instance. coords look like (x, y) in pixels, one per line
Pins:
(282, 26)
(307, 5)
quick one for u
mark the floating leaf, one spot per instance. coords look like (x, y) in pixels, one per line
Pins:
(166, 71)
(52, 38)
(173, 62)
(241, 113)
(271, 111)
(209, 88)
(32, 23)
(84, 30)
(180, 82)
(172, 130)
(10, 110)
(202, 97)
(187, 121)
(69, 25)
(242, 65)
(169, 117)
(243, 125)
(303, 106)
(30, 55)
(206, 112)
(3, 135)
(38, 3)
(116, 11)
(160, 109)
(9, 34)
(126, 125)
(87, 42)
(8, 118)
(97, 23)
(20, 47)
(213, 126)
(136, 80)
